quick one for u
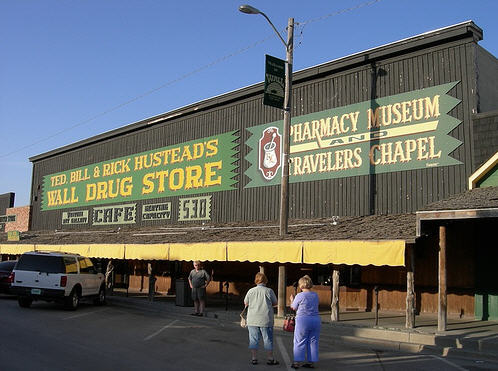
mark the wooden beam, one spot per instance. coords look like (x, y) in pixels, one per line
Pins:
(423, 216)
(442, 295)
(334, 305)
(376, 305)
(281, 291)
(410, 287)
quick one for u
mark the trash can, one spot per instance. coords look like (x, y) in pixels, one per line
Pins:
(183, 295)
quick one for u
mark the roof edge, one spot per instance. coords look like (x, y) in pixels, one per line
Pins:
(457, 31)
(482, 171)
(453, 215)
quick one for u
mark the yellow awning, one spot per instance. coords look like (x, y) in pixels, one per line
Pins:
(15, 249)
(204, 251)
(349, 252)
(110, 251)
(147, 252)
(265, 251)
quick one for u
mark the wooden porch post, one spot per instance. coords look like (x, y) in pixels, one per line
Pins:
(410, 287)
(281, 291)
(442, 307)
(334, 305)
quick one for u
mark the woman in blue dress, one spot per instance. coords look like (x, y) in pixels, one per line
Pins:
(308, 323)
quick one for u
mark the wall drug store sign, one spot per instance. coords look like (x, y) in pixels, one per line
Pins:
(198, 166)
(396, 133)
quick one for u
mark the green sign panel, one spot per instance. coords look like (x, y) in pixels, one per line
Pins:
(196, 208)
(160, 211)
(198, 166)
(401, 132)
(115, 214)
(274, 82)
(13, 236)
(75, 217)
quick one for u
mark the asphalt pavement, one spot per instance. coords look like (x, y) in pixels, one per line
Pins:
(133, 334)
(465, 337)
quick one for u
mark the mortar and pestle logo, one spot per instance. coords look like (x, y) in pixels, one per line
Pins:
(269, 152)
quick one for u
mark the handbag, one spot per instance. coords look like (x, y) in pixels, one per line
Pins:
(289, 323)
(243, 318)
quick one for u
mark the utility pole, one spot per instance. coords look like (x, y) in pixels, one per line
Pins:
(289, 51)
(284, 188)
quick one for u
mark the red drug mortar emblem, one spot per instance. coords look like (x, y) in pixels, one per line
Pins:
(269, 152)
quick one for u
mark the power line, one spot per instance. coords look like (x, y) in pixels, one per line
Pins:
(183, 77)
(149, 92)
(346, 10)
(302, 25)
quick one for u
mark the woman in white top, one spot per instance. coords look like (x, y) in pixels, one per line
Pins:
(260, 301)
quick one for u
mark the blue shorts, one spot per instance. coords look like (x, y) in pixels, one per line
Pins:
(255, 333)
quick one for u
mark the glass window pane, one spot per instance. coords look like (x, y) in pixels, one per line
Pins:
(41, 263)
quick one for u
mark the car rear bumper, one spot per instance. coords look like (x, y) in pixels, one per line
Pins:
(32, 292)
(5, 288)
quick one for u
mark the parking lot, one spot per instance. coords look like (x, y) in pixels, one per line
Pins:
(46, 337)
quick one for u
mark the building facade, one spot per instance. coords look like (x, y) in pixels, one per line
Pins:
(385, 131)
(375, 137)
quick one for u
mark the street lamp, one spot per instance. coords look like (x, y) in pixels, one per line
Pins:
(289, 48)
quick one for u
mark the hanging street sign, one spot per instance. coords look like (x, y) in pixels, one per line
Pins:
(274, 82)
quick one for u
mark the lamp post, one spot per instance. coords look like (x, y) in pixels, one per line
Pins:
(289, 48)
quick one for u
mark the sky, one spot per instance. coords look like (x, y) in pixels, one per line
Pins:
(70, 70)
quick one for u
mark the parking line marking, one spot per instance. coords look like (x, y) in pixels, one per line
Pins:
(448, 362)
(161, 330)
(84, 314)
(283, 352)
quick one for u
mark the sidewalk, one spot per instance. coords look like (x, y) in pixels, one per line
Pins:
(464, 337)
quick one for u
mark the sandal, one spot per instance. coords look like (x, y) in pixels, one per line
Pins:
(254, 361)
(272, 362)
(295, 365)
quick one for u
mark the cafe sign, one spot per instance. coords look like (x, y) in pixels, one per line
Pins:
(397, 133)
(115, 214)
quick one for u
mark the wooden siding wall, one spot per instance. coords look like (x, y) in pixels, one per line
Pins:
(470, 263)
(389, 193)
(487, 80)
(6, 201)
(485, 136)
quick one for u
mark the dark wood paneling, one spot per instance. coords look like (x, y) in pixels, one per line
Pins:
(390, 193)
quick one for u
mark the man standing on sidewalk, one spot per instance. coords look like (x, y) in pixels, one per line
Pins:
(198, 280)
